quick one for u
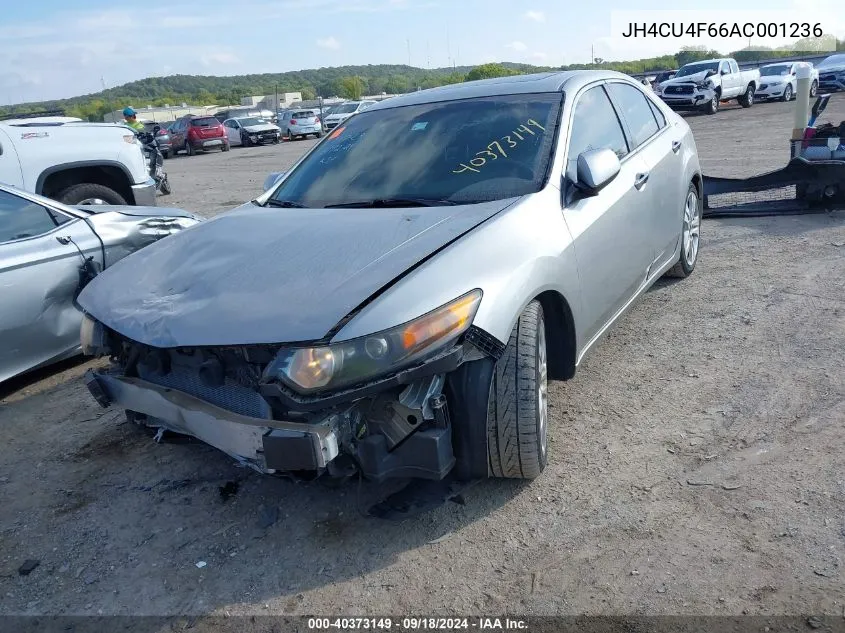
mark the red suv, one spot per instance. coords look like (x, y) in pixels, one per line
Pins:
(194, 133)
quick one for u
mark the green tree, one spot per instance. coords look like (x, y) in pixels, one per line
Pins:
(690, 54)
(488, 71)
(308, 93)
(352, 88)
(397, 84)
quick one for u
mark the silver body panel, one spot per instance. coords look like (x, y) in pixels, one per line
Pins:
(267, 278)
(39, 277)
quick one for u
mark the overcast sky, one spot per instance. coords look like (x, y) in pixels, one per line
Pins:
(51, 49)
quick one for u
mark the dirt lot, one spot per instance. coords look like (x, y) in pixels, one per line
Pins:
(696, 460)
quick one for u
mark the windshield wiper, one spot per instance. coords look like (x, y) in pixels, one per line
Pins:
(284, 204)
(392, 202)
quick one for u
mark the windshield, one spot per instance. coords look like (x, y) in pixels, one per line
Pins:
(346, 108)
(833, 60)
(251, 121)
(692, 69)
(464, 151)
(781, 69)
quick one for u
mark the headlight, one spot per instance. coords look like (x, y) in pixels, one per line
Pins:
(309, 369)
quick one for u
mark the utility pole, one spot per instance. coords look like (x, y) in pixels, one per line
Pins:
(276, 106)
(592, 54)
(409, 51)
(448, 48)
(427, 55)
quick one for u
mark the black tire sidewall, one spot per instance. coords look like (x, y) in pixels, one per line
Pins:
(77, 193)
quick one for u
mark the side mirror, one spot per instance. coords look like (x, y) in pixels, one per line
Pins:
(596, 169)
(156, 129)
(272, 179)
(725, 71)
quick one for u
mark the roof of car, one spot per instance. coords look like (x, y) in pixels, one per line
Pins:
(516, 84)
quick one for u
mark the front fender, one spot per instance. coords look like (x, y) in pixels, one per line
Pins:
(513, 257)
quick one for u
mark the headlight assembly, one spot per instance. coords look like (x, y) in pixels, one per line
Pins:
(309, 369)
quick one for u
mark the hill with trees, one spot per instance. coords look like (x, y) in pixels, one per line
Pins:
(351, 82)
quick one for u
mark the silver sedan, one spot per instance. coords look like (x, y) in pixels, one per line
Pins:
(396, 302)
(48, 252)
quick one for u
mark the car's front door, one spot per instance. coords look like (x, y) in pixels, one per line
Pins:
(659, 146)
(233, 132)
(178, 138)
(610, 229)
(39, 277)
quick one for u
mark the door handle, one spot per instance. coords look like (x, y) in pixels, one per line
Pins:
(676, 146)
(641, 180)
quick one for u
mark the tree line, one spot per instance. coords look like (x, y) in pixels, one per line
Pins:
(353, 82)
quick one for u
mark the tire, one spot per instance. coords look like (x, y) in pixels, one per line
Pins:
(225, 147)
(189, 150)
(747, 99)
(165, 187)
(319, 135)
(84, 193)
(291, 137)
(814, 88)
(787, 93)
(712, 106)
(690, 235)
(165, 155)
(245, 141)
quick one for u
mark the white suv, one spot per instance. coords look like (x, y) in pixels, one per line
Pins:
(344, 111)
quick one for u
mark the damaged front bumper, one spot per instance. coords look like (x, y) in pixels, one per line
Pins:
(396, 427)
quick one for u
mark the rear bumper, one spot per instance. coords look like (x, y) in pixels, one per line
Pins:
(208, 143)
(144, 195)
(307, 129)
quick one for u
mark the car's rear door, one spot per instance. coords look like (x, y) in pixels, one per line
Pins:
(609, 230)
(659, 147)
(39, 277)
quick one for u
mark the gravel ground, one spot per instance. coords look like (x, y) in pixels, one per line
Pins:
(696, 462)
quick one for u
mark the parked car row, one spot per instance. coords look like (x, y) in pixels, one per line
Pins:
(704, 85)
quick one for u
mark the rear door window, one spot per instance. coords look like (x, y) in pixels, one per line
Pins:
(635, 110)
(209, 121)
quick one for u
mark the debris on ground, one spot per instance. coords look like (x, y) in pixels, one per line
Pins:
(28, 566)
(201, 564)
(228, 490)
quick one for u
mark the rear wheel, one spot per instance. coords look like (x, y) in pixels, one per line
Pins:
(88, 193)
(747, 99)
(225, 147)
(690, 235)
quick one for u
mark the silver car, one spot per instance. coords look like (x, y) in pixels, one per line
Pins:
(48, 251)
(396, 303)
(300, 123)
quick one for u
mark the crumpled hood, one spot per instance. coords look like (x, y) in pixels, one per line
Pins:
(261, 127)
(136, 211)
(688, 79)
(266, 275)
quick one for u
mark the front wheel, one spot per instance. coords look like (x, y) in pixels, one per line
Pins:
(189, 149)
(690, 234)
(501, 408)
(747, 99)
(787, 93)
(712, 106)
(814, 88)
(165, 187)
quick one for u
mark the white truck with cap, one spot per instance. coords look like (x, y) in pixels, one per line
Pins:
(705, 84)
(75, 162)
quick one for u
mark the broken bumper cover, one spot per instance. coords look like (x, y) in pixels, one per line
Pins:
(688, 101)
(269, 445)
(310, 446)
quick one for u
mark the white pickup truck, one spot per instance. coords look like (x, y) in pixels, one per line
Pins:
(75, 162)
(703, 85)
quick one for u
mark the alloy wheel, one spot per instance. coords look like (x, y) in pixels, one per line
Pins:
(692, 228)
